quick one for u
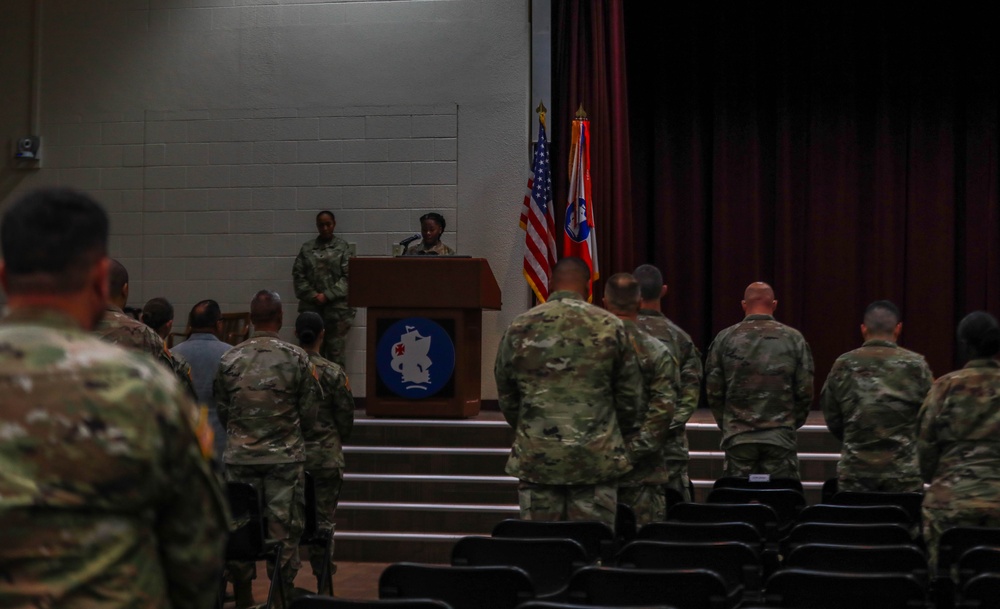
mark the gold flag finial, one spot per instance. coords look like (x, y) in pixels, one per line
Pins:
(541, 111)
(580, 113)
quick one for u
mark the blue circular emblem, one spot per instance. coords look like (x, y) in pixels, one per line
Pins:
(415, 358)
(577, 225)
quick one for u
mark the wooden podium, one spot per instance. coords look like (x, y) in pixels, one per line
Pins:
(450, 291)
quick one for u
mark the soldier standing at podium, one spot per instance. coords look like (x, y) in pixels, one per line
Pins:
(568, 382)
(320, 278)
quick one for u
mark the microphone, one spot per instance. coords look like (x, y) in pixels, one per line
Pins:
(409, 240)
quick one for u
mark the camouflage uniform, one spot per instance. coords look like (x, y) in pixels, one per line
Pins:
(118, 328)
(266, 394)
(321, 268)
(958, 451)
(759, 385)
(568, 382)
(870, 400)
(688, 391)
(106, 498)
(419, 249)
(642, 488)
(324, 448)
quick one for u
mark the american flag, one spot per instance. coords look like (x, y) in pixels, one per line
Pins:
(538, 221)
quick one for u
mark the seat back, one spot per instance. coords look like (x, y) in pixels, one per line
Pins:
(246, 542)
(625, 523)
(236, 327)
(791, 484)
(596, 537)
(549, 562)
(981, 591)
(493, 587)
(859, 559)
(313, 601)
(846, 534)
(685, 589)
(855, 514)
(911, 502)
(701, 532)
(737, 563)
(825, 590)
(978, 560)
(786, 503)
(830, 488)
(956, 541)
(555, 605)
(760, 516)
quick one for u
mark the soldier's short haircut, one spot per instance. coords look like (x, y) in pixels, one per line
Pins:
(157, 312)
(265, 307)
(622, 292)
(205, 314)
(881, 317)
(571, 271)
(650, 281)
(51, 239)
(326, 212)
(117, 277)
(979, 334)
(308, 325)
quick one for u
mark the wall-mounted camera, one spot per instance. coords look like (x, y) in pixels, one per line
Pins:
(27, 148)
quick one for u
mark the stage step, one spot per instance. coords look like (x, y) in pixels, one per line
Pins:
(414, 486)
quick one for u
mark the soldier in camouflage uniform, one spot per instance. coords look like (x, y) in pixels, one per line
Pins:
(325, 441)
(679, 343)
(759, 385)
(870, 400)
(957, 437)
(267, 397)
(568, 383)
(118, 328)
(320, 278)
(106, 497)
(643, 487)
(431, 227)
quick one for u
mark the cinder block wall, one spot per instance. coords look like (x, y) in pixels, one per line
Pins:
(214, 130)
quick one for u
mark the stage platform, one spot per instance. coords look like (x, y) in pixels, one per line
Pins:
(414, 486)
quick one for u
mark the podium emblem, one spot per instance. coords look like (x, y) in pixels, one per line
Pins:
(416, 358)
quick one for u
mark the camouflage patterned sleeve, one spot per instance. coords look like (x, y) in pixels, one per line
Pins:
(343, 399)
(304, 288)
(691, 371)
(627, 383)
(192, 519)
(339, 289)
(660, 411)
(804, 388)
(508, 396)
(715, 381)
(829, 399)
(927, 448)
(220, 392)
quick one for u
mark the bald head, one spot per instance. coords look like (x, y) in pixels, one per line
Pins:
(571, 274)
(265, 311)
(118, 283)
(621, 295)
(758, 299)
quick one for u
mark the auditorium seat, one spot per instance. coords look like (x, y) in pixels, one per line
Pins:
(976, 561)
(791, 484)
(684, 589)
(556, 605)
(911, 502)
(596, 538)
(312, 601)
(981, 592)
(549, 562)
(956, 541)
(737, 563)
(855, 514)
(760, 516)
(859, 559)
(825, 590)
(786, 503)
(461, 587)
(846, 534)
(625, 524)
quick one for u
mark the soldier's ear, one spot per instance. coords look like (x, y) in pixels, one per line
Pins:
(864, 331)
(897, 331)
(663, 292)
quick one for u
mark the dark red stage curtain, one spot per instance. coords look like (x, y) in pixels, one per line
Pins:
(842, 152)
(589, 58)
